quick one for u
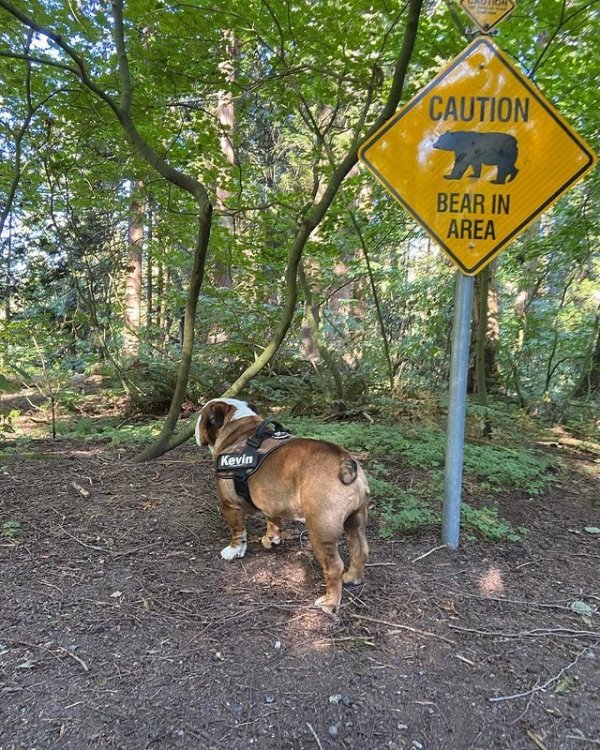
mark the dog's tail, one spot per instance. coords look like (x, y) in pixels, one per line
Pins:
(348, 470)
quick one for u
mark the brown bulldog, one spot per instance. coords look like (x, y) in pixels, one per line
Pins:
(309, 480)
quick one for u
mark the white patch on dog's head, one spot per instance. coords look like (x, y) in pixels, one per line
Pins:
(197, 429)
(242, 409)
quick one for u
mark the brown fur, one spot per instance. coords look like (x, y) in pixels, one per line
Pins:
(310, 479)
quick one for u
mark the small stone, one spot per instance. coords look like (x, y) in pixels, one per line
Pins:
(277, 645)
(269, 698)
(334, 729)
(338, 698)
(417, 745)
(238, 710)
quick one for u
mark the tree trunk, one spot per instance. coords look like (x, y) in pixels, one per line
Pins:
(149, 269)
(589, 382)
(312, 321)
(7, 271)
(133, 274)
(226, 119)
(482, 286)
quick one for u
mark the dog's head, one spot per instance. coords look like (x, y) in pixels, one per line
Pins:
(215, 414)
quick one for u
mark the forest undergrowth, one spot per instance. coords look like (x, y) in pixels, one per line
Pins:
(393, 438)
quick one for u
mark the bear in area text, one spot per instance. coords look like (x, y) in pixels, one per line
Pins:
(472, 149)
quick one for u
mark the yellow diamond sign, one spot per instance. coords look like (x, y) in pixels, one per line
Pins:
(487, 13)
(477, 155)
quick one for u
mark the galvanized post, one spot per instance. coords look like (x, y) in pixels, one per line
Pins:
(459, 362)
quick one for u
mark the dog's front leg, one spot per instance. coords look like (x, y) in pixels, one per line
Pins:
(236, 519)
(272, 535)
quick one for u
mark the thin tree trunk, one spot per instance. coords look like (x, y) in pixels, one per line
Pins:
(226, 119)
(480, 349)
(133, 274)
(313, 324)
(7, 263)
(149, 268)
(378, 309)
(589, 381)
(481, 330)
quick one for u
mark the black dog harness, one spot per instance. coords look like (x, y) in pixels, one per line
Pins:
(246, 457)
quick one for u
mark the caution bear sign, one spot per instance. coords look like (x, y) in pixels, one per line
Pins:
(487, 13)
(477, 155)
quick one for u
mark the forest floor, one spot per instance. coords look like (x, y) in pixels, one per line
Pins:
(121, 627)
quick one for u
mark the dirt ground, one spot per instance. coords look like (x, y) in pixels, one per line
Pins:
(121, 627)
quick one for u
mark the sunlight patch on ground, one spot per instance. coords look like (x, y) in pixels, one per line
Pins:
(286, 576)
(308, 631)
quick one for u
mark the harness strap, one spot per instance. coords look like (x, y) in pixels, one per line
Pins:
(262, 433)
(246, 459)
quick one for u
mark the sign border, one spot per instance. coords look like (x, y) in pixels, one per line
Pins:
(478, 23)
(542, 101)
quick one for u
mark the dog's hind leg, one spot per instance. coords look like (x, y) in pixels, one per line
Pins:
(272, 535)
(327, 554)
(358, 548)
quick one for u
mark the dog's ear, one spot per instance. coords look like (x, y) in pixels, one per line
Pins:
(251, 406)
(215, 414)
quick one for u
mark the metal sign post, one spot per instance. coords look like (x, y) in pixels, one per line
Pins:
(455, 433)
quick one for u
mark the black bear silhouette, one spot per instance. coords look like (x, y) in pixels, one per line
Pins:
(472, 149)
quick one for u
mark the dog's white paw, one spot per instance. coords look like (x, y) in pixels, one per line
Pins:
(230, 553)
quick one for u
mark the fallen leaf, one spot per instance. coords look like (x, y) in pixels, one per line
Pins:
(564, 685)
(27, 664)
(581, 608)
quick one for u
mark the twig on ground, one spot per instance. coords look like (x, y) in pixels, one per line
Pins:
(83, 544)
(398, 625)
(52, 651)
(582, 738)
(535, 632)
(530, 562)
(315, 735)
(431, 551)
(74, 656)
(548, 683)
(110, 552)
(581, 554)
(541, 605)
